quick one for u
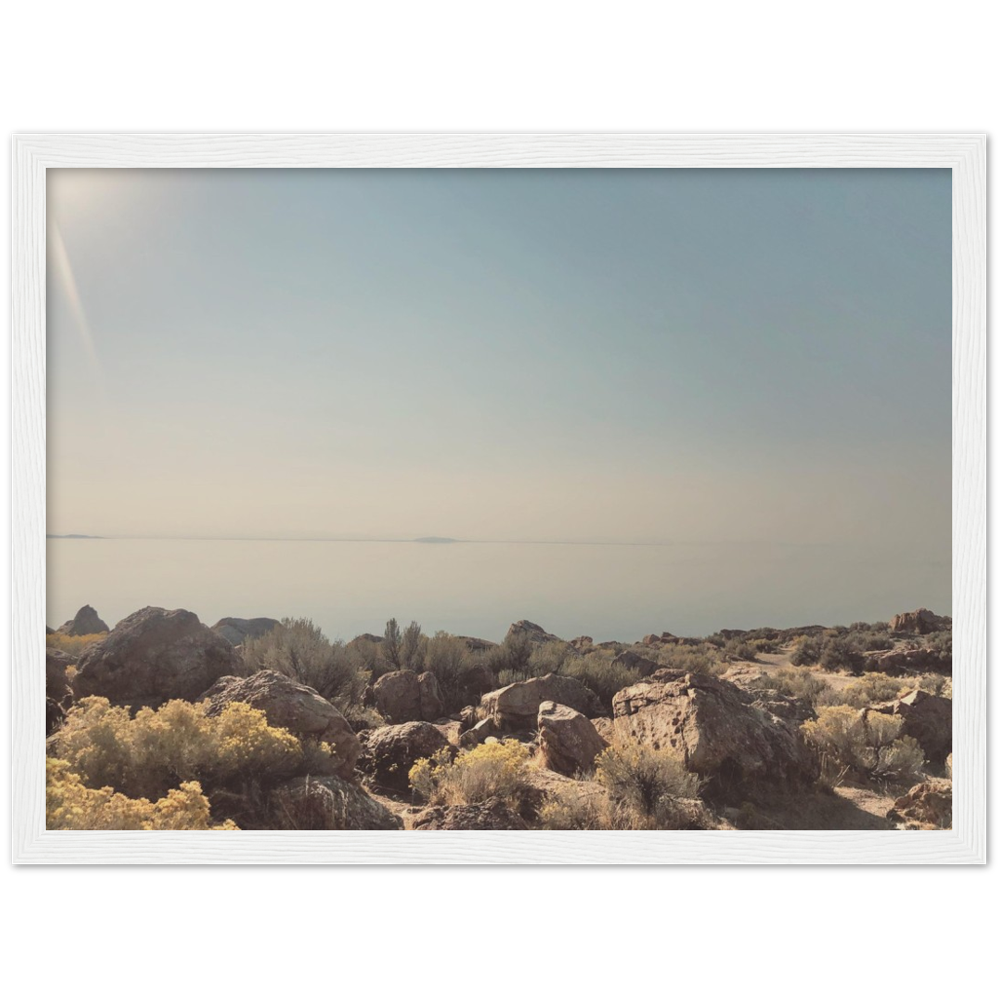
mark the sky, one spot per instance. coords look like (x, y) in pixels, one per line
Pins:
(709, 356)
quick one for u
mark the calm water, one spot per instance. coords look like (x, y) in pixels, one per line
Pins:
(471, 588)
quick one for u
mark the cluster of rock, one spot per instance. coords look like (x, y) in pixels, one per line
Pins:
(919, 622)
(740, 739)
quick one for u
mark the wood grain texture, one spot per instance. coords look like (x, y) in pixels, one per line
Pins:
(964, 154)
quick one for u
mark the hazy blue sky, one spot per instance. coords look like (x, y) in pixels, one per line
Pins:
(719, 355)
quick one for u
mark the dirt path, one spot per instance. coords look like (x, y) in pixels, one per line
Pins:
(770, 662)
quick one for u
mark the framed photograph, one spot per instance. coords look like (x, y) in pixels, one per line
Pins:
(480, 498)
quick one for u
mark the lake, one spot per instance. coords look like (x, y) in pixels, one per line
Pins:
(606, 591)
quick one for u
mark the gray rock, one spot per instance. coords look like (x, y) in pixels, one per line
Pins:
(567, 741)
(515, 707)
(85, 622)
(236, 630)
(153, 656)
(389, 753)
(327, 803)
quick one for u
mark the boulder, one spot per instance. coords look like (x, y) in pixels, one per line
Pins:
(152, 656)
(636, 661)
(926, 806)
(532, 632)
(235, 630)
(366, 637)
(919, 622)
(493, 814)
(906, 660)
(292, 706)
(57, 685)
(715, 730)
(389, 753)
(515, 707)
(327, 803)
(479, 733)
(582, 643)
(927, 718)
(404, 696)
(86, 622)
(567, 741)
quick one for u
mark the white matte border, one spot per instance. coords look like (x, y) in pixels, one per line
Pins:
(964, 154)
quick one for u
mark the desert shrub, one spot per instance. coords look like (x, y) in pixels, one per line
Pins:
(643, 784)
(796, 683)
(491, 769)
(838, 654)
(550, 658)
(459, 671)
(940, 641)
(871, 688)
(413, 648)
(392, 644)
(766, 645)
(739, 649)
(602, 676)
(701, 659)
(937, 684)
(807, 652)
(71, 805)
(865, 744)
(576, 808)
(158, 750)
(73, 645)
(513, 654)
(298, 649)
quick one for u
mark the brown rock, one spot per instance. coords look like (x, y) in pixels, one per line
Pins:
(567, 741)
(236, 630)
(919, 622)
(153, 656)
(493, 814)
(532, 632)
(86, 622)
(404, 696)
(475, 645)
(292, 706)
(630, 658)
(711, 725)
(328, 803)
(515, 707)
(906, 660)
(926, 806)
(391, 751)
(479, 733)
(927, 718)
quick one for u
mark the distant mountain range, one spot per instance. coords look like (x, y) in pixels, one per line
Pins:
(435, 540)
(74, 536)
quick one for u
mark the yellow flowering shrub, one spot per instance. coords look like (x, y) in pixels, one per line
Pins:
(70, 805)
(489, 770)
(156, 751)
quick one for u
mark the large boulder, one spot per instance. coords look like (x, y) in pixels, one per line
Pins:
(919, 622)
(567, 740)
(85, 622)
(292, 706)
(389, 753)
(926, 806)
(405, 696)
(927, 718)
(532, 632)
(57, 685)
(327, 803)
(636, 661)
(475, 644)
(493, 814)
(905, 660)
(715, 730)
(152, 656)
(515, 707)
(236, 630)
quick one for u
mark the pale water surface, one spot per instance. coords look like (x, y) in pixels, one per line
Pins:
(479, 588)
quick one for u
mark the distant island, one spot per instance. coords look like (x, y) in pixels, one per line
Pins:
(74, 536)
(433, 540)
